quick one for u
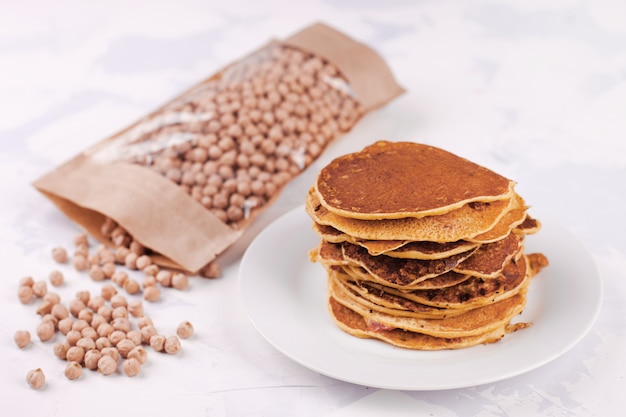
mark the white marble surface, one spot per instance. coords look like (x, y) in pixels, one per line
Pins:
(536, 90)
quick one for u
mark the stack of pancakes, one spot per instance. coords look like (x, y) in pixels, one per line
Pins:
(423, 249)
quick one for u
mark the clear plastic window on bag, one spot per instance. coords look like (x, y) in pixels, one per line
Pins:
(234, 140)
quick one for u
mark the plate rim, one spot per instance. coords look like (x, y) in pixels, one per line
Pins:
(298, 213)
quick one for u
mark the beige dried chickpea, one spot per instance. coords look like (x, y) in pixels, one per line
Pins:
(139, 353)
(157, 342)
(135, 308)
(80, 262)
(151, 293)
(65, 325)
(184, 330)
(180, 281)
(107, 365)
(73, 370)
(60, 311)
(131, 286)
(118, 300)
(40, 288)
(45, 330)
(60, 350)
(75, 353)
(91, 359)
(25, 294)
(81, 239)
(22, 338)
(172, 345)
(124, 346)
(27, 281)
(59, 254)
(56, 278)
(36, 378)
(111, 351)
(96, 273)
(131, 367)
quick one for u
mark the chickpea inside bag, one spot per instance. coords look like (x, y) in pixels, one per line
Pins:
(187, 179)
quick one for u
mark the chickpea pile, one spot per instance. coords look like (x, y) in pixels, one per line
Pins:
(103, 332)
(235, 140)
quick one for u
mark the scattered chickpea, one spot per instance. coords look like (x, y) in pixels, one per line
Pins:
(164, 277)
(124, 346)
(139, 353)
(75, 353)
(103, 342)
(131, 286)
(144, 321)
(122, 324)
(143, 261)
(83, 296)
(73, 336)
(135, 308)
(80, 324)
(25, 294)
(151, 270)
(151, 293)
(108, 269)
(106, 312)
(22, 338)
(36, 378)
(80, 262)
(89, 333)
(96, 302)
(59, 254)
(91, 359)
(172, 345)
(119, 312)
(147, 332)
(119, 277)
(184, 330)
(96, 273)
(56, 278)
(180, 281)
(45, 307)
(60, 311)
(108, 291)
(211, 270)
(112, 352)
(45, 331)
(117, 336)
(60, 350)
(27, 281)
(131, 367)
(87, 343)
(81, 239)
(107, 365)
(65, 325)
(157, 342)
(76, 306)
(149, 281)
(52, 297)
(73, 370)
(40, 288)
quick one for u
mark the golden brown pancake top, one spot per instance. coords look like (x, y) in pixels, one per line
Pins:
(391, 180)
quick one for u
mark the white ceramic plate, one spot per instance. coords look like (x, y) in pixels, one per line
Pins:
(285, 297)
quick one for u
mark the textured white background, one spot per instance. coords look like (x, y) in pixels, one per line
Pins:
(535, 90)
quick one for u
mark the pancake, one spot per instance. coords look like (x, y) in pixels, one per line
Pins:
(390, 303)
(470, 323)
(470, 220)
(529, 226)
(397, 248)
(408, 180)
(355, 325)
(489, 259)
(448, 279)
(394, 272)
(471, 293)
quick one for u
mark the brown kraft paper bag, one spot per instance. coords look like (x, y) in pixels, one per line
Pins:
(185, 180)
